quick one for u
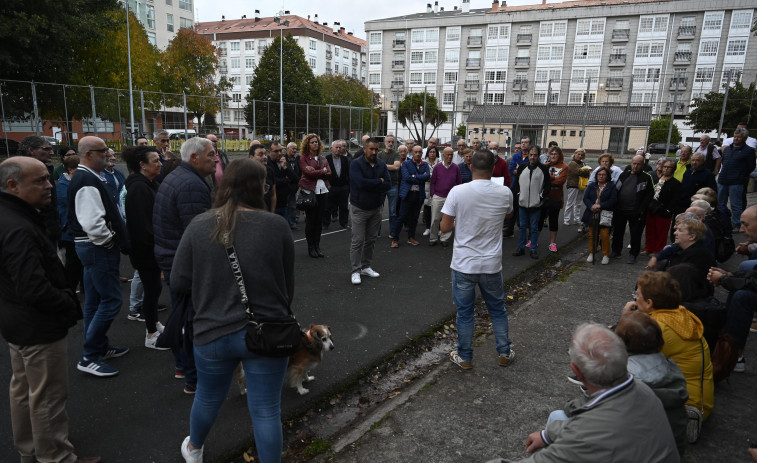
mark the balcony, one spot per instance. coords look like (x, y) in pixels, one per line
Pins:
(614, 83)
(472, 85)
(618, 59)
(682, 57)
(468, 105)
(520, 84)
(679, 107)
(522, 61)
(224, 52)
(473, 63)
(475, 41)
(523, 39)
(398, 64)
(328, 70)
(398, 84)
(621, 35)
(328, 54)
(223, 70)
(681, 82)
(398, 44)
(354, 62)
(686, 32)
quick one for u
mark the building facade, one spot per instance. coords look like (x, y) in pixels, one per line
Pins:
(242, 41)
(657, 53)
(162, 19)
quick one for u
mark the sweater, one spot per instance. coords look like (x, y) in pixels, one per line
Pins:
(444, 179)
(265, 250)
(367, 191)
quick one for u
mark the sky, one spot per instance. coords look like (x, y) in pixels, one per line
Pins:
(352, 14)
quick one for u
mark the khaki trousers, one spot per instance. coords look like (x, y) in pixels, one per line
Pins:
(38, 393)
(437, 202)
(604, 240)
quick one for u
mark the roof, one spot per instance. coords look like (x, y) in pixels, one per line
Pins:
(638, 116)
(267, 24)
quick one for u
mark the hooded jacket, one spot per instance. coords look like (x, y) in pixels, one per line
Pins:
(685, 344)
(531, 185)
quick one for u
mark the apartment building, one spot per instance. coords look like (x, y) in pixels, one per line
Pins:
(162, 19)
(657, 53)
(328, 50)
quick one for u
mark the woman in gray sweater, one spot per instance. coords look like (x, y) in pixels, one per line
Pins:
(265, 251)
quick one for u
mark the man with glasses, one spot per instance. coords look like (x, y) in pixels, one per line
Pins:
(99, 233)
(520, 156)
(258, 153)
(339, 192)
(38, 148)
(457, 156)
(433, 142)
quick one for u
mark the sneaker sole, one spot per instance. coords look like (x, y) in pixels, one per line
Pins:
(135, 319)
(95, 372)
(462, 363)
(116, 354)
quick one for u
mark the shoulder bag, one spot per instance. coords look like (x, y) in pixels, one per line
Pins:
(269, 337)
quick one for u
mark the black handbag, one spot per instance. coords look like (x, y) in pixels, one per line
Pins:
(269, 337)
(305, 200)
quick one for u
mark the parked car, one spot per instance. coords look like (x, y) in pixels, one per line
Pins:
(660, 148)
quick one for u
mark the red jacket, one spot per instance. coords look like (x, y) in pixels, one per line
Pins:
(310, 177)
(501, 170)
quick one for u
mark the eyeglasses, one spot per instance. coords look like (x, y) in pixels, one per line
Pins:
(45, 148)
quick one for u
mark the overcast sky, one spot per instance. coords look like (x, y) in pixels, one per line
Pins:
(351, 13)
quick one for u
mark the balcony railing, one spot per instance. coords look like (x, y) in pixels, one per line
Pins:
(680, 107)
(354, 62)
(398, 64)
(473, 62)
(523, 39)
(620, 35)
(475, 41)
(398, 84)
(680, 81)
(472, 85)
(520, 83)
(398, 44)
(469, 105)
(617, 59)
(614, 83)
(687, 32)
(522, 61)
(682, 57)
(328, 54)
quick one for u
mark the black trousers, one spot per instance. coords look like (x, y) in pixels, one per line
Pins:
(314, 220)
(149, 273)
(337, 202)
(635, 224)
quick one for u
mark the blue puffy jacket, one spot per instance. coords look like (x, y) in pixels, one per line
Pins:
(412, 175)
(738, 163)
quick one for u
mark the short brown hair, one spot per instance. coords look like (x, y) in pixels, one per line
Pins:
(640, 333)
(607, 155)
(661, 288)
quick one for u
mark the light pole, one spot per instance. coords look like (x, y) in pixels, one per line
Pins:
(131, 96)
(282, 25)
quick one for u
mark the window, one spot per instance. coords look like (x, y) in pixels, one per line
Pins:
(374, 38)
(150, 17)
(494, 98)
(646, 23)
(430, 57)
(185, 5)
(688, 21)
(622, 24)
(248, 80)
(713, 21)
(525, 29)
(475, 32)
(313, 45)
(498, 32)
(151, 38)
(648, 75)
(741, 21)
(580, 76)
(496, 54)
(429, 78)
(169, 2)
(249, 63)
(450, 77)
(656, 49)
(549, 53)
(552, 29)
(653, 24)
(683, 47)
(495, 76)
(544, 75)
(736, 47)
(453, 34)
(416, 57)
(418, 36)
(234, 46)
(704, 74)
(185, 23)
(249, 45)
(735, 73)
(589, 27)
(374, 59)
(311, 62)
(612, 98)
(234, 80)
(650, 49)
(452, 56)
(541, 98)
(416, 78)
(336, 51)
(169, 22)
(427, 36)
(374, 78)
(660, 24)
(448, 99)
(708, 47)
(236, 97)
(587, 51)
(234, 63)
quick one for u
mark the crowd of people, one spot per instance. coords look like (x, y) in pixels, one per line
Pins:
(176, 217)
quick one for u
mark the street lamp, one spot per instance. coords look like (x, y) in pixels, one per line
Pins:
(282, 25)
(128, 53)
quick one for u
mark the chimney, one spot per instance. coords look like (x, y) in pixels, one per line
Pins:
(244, 16)
(315, 18)
(436, 7)
(341, 30)
(349, 33)
(326, 24)
(257, 14)
(543, 2)
(428, 8)
(441, 9)
(286, 12)
(503, 5)
(466, 6)
(455, 8)
(495, 6)
(223, 18)
(308, 17)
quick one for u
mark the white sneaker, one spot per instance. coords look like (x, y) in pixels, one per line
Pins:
(590, 259)
(370, 272)
(605, 260)
(427, 232)
(159, 327)
(566, 223)
(190, 456)
(356, 278)
(150, 341)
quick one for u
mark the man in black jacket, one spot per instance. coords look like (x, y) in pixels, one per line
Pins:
(635, 190)
(293, 161)
(36, 310)
(283, 177)
(340, 185)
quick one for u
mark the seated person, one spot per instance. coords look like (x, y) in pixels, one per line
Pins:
(643, 339)
(621, 420)
(698, 299)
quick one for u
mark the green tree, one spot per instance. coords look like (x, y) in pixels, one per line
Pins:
(704, 113)
(342, 90)
(658, 131)
(419, 110)
(299, 86)
(461, 130)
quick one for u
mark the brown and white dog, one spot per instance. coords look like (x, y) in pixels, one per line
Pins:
(317, 339)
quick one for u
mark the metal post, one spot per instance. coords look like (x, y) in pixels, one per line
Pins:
(223, 131)
(725, 102)
(483, 106)
(586, 111)
(5, 134)
(254, 121)
(94, 114)
(349, 122)
(672, 113)
(372, 105)
(396, 114)
(624, 145)
(131, 95)
(423, 130)
(546, 113)
(281, 86)
(307, 118)
(65, 111)
(453, 130)
(142, 105)
(186, 128)
(516, 135)
(328, 106)
(36, 109)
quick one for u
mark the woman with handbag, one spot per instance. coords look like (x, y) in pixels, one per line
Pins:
(558, 174)
(662, 208)
(600, 198)
(572, 213)
(315, 174)
(203, 265)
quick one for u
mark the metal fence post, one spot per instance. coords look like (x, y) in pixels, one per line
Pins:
(624, 146)
(142, 105)
(307, 118)
(5, 133)
(725, 102)
(546, 113)
(328, 106)
(586, 111)
(223, 131)
(94, 114)
(186, 124)
(520, 109)
(36, 109)
(483, 107)
(65, 111)
(254, 121)
(672, 113)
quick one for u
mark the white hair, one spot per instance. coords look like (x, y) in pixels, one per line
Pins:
(600, 355)
(195, 145)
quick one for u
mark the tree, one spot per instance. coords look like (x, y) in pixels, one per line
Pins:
(704, 114)
(461, 130)
(299, 85)
(658, 131)
(342, 90)
(420, 110)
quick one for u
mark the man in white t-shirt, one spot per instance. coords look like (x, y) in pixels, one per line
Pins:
(476, 210)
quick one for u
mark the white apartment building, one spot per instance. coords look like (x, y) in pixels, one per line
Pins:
(162, 19)
(242, 41)
(658, 53)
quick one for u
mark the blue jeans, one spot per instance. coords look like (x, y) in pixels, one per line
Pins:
(736, 193)
(136, 295)
(284, 212)
(216, 362)
(464, 295)
(102, 296)
(748, 265)
(392, 196)
(528, 218)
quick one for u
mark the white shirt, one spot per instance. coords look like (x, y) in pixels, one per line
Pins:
(457, 157)
(479, 208)
(614, 170)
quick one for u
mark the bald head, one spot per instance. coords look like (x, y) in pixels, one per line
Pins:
(637, 164)
(92, 152)
(364, 139)
(749, 223)
(27, 179)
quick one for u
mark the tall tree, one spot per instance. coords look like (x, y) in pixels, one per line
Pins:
(704, 113)
(658, 131)
(342, 90)
(421, 110)
(299, 86)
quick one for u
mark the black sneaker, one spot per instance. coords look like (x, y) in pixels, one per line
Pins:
(162, 307)
(519, 252)
(136, 316)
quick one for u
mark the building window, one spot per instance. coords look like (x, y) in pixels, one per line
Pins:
(429, 78)
(150, 17)
(151, 38)
(169, 2)
(236, 97)
(450, 77)
(374, 78)
(452, 56)
(249, 45)
(185, 23)
(498, 32)
(430, 57)
(495, 76)
(741, 21)
(169, 22)
(590, 27)
(496, 54)
(374, 38)
(374, 58)
(428, 36)
(622, 24)
(311, 62)
(587, 51)
(649, 49)
(704, 74)
(544, 75)
(660, 24)
(234, 46)
(235, 63)
(581, 76)
(249, 63)
(248, 80)
(416, 78)
(185, 5)
(709, 47)
(495, 98)
(453, 34)
(448, 99)
(313, 45)
(736, 47)
(416, 57)
(713, 21)
(336, 51)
